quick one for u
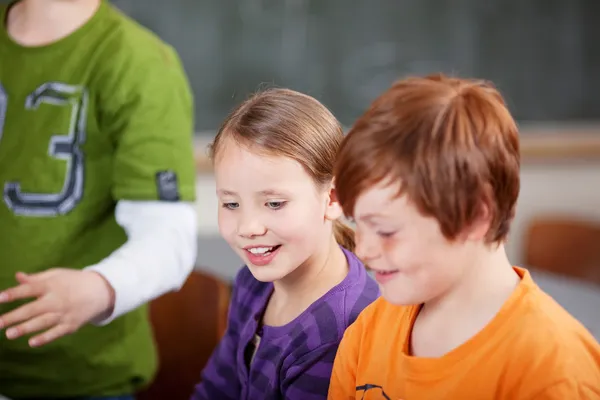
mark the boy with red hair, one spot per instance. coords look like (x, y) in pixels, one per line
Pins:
(430, 174)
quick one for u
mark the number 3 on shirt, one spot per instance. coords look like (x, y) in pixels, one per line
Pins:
(65, 147)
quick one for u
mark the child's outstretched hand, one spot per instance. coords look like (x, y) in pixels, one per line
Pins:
(65, 299)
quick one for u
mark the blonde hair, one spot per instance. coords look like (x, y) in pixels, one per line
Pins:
(287, 123)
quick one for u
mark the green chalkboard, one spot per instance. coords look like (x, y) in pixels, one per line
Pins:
(543, 54)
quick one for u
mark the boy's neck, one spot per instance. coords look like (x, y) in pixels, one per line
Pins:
(466, 308)
(489, 274)
(42, 22)
(293, 294)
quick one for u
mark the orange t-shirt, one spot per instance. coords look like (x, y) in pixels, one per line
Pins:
(532, 349)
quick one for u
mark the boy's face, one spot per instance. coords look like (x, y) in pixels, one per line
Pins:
(412, 260)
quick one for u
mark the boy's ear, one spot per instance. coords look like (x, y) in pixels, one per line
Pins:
(480, 227)
(333, 209)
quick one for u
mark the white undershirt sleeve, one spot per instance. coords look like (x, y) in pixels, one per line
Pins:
(158, 256)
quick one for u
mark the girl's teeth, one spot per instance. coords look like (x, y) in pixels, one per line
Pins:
(260, 250)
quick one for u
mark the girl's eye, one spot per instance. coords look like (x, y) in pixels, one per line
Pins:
(275, 205)
(231, 206)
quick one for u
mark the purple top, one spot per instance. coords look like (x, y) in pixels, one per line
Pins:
(293, 361)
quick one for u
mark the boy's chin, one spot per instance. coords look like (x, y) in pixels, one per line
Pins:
(400, 297)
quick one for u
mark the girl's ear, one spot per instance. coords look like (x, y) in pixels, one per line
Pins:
(333, 209)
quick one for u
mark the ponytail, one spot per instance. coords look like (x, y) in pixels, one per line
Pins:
(344, 235)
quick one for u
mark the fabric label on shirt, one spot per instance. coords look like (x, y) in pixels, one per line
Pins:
(255, 343)
(166, 185)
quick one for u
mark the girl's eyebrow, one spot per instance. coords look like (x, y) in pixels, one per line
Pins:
(266, 192)
(271, 192)
(224, 192)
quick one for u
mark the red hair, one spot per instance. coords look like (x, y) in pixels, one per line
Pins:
(451, 143)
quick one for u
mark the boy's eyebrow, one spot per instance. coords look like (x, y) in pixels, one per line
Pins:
(224, 192)
(369, 217)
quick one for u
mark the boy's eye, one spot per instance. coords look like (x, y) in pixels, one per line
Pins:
(275, 205)
(386, 234)
(231, 206)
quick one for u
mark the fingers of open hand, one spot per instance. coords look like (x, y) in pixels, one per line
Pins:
(44, 313)
(52, 334)
(35, 324)
(25, 312)
(23, 291)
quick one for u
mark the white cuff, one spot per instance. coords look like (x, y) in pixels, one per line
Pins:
(158, 256)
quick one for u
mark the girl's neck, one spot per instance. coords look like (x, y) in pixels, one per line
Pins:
(310, 281)
(42, 22)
